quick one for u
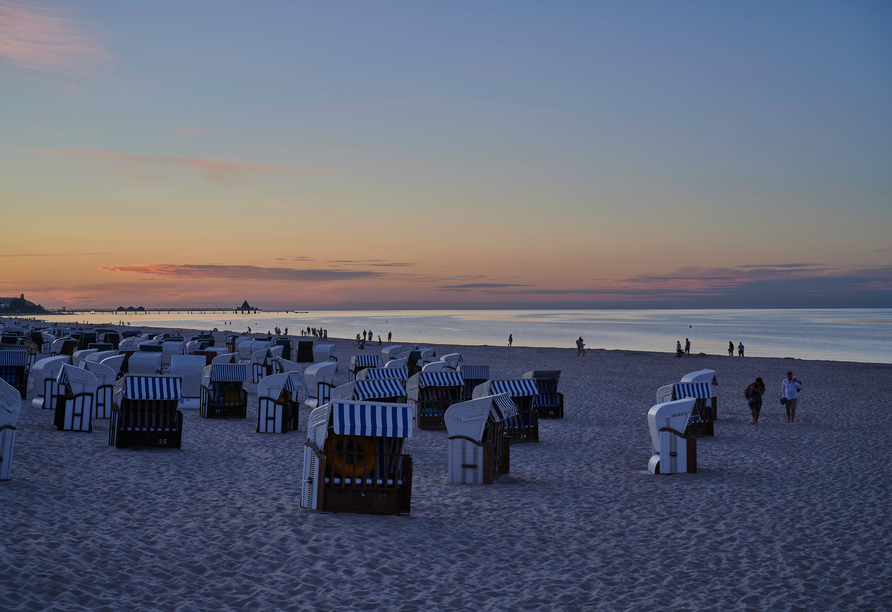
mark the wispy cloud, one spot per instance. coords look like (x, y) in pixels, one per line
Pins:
(192, 132)
(241, 272)
(377, 263)
(49, 39)
(222, 172)
(299, 258)
(470, 286)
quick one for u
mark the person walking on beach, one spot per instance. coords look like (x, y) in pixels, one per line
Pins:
(388, 336)
(754, 395)
(740, 350)
(730, 349)
(510, 339)
(580, 347)
(687, 347)
(790, 388)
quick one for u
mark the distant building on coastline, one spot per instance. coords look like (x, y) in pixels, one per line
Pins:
(245, 307)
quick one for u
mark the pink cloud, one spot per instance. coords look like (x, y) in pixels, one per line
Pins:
(49, 39)
(223, 172)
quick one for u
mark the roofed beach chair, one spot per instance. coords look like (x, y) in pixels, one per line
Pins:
(145, 362)
(64, 346)
(319, 383)
(284, 366)
(10, 408)
(435, 366)
(262, 362)
(549, 404)
(87, 338)
(190, 369)
(353, 460)
(287, 347)
(432, 393)
(452, 360)
(246, 349)
(115, 362)
(398, 364)
(474, 375)
(359, 363)
(98, 356)
(105, 378)
(225, 358)
(44, 375)
(14, 368)
(279, 406)
(673, 450)
(701, 422)
(524, 427)
(145, 414)
(305, 351)
(391, 352)
(75, 399)
(222, 392)
(705, 376)
(379, 390)
(479, 449)
(324, 352)
(169, 348)
(77, 357)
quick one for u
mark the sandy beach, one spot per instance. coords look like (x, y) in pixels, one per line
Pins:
(779, 517)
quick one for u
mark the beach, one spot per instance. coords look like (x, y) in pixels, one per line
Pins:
(779, 517)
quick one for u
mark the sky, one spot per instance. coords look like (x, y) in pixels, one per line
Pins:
(304, 155)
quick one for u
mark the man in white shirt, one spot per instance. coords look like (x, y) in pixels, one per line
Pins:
(790, 389)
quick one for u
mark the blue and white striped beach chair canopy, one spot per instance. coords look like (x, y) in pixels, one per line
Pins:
(148, 388)
(80, 380)
(421, 380)
(15, 358)
(469, 418)
(364, 361)
(225, 372)
(554, 375)
(377, 389)
(519, 387)
(700, 390)
(707, 376)
(474, 372)
(379, 373)
(371, 419)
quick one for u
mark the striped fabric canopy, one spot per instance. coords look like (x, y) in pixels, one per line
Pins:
(289, 385)
(14, 358)
(474, 372)
(377, 389)
(151, 387)
(229, 372)
(365, 361)
(440, 379)
(379, 373)
(695, 390)
(502, 408)
(360, 419)
(522, 387)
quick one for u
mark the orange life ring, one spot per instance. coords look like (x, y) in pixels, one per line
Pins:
(346, 459)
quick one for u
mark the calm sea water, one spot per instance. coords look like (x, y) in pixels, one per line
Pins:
(863, 335)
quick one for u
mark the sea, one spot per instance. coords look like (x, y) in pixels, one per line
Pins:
(861, 335)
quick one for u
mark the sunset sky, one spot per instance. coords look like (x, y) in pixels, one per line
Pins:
(458, 154)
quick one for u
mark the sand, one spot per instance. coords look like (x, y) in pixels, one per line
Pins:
(779, 517)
